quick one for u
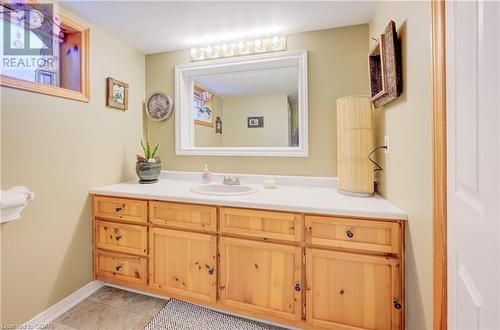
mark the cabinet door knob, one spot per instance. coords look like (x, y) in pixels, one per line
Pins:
(297, 287)
(118, 237)
(349, 234)
(118, 268)
(211, 271)
(396, 304)
(118, 209)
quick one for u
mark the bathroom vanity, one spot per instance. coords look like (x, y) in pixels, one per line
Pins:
(300, 254)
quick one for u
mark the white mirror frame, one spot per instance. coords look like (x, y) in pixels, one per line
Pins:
(184, 116)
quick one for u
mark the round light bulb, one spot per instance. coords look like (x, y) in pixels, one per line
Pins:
(225, 48)
(258, 44)
(209, 50)
(193, 51)
(241, 46)
(275, 41)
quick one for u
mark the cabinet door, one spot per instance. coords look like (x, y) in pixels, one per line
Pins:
(183, 263)
(262, 277)
(351, 291)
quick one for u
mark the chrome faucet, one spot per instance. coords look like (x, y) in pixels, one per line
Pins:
(231, 182)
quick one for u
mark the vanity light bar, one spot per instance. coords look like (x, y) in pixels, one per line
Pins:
(239, 47)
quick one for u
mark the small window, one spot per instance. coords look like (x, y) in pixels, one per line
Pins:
(44, 51)
(203, 104)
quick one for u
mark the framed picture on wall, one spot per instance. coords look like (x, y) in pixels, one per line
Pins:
(255, 122)
(116, 94)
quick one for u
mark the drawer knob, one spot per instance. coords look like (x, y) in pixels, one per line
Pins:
(118, 209)
(349, 234)
(297, 287)
(211, 271)
(118, 268)
(118, 237)
(396, 304)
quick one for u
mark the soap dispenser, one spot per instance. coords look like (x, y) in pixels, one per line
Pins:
(205, 175)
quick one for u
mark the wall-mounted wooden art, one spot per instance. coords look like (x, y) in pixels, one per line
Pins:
(384, 65)
(116, 94)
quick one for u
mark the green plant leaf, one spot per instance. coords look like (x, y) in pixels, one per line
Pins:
(143, 148)
(155, 150)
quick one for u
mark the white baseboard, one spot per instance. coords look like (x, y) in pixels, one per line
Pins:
(56, 310)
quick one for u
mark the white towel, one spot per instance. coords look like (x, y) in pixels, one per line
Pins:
(13, 201)
(14, 197)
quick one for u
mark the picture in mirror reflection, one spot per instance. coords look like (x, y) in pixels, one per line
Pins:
(242, 100)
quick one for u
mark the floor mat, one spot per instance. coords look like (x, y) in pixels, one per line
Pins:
(180, 315)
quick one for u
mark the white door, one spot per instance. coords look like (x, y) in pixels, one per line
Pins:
(473, 107)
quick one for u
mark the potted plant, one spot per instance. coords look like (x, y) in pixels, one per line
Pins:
(148, 167)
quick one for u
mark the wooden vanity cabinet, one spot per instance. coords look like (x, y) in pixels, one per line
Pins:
(310, 271)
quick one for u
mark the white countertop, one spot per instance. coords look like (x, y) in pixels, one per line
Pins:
(299, 194)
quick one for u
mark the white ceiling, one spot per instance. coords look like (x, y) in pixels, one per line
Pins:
(158, 26)
(250, 83)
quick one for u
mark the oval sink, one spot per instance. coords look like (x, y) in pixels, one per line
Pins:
(224, 189)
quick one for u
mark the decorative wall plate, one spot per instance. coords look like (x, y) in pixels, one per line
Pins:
(159, 106)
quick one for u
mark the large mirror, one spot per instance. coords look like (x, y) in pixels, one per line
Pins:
(255, 105)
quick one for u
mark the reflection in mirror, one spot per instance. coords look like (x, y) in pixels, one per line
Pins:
(257, 108)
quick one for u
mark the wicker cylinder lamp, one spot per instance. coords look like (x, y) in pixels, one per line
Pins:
(354, 144)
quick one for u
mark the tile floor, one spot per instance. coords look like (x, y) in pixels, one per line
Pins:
(110, 308)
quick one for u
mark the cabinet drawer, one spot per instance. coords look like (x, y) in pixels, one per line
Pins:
(121, 209)
(186, 216)
(121, 267)
(121, 237)
(262, 224)
(368, 235)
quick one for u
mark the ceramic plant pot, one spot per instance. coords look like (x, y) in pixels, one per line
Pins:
(148, 172)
